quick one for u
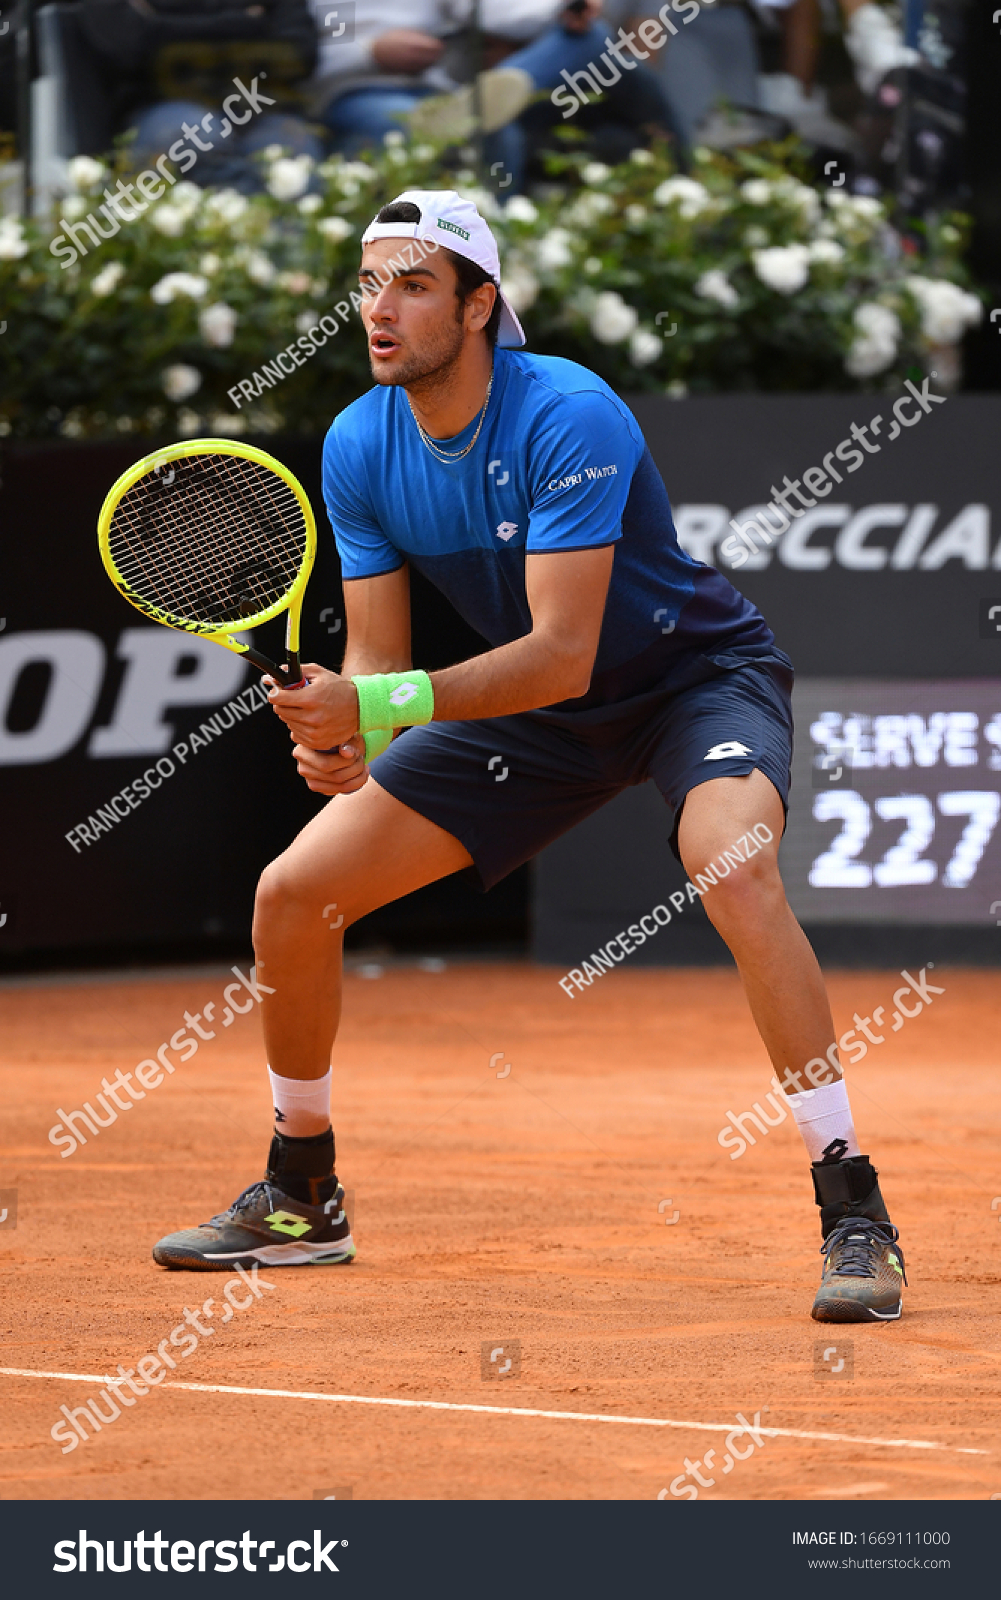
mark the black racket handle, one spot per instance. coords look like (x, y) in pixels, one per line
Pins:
(290, 677)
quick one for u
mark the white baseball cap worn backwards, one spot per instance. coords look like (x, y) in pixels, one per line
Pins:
(448, 220)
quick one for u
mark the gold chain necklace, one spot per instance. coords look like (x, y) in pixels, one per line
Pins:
(451, 455)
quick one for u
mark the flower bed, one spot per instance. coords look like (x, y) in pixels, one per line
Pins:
(738, 276)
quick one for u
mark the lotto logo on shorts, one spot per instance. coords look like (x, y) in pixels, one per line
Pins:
(402, 694)
(720, 752)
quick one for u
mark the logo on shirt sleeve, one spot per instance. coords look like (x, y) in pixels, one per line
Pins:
(722, 752)
(506, 530)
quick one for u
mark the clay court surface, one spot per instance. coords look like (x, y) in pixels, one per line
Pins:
(525, 1207)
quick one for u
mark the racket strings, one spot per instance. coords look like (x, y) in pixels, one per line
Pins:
(209, 538)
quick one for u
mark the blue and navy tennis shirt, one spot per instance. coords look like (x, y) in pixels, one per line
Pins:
(560, 464)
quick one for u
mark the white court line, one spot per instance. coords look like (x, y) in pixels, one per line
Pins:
(505, 1411)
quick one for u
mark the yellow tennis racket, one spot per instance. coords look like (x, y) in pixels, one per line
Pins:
(213, 537)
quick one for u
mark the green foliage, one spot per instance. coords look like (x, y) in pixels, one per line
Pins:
(738, 276)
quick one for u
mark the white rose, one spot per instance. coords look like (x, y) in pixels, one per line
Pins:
(866, 357)
(715, 285)
(644, 347)
(188, 423)
(217, 324)
(108, 279)
(521, 287)
(73, 206)
(691, 196)
(289, 177)
(226, 427)
(188, 284)
(642, 158)
(755, 238)
(612, 320)
(306, 321)
(595, 172)
(553, 250)
(874, 347)
(295, 282)
(335, 228)
(946, 310)
(310, 203)
(226, 205)
(169, 219)
(188, 196)
(260, 268)
(13, 244)
(636, 215)
(826, 250)
(394, 136)
(520, 209)
(877, 322)
(588, 208)
(210, 263)
(84, 172)
(756, 191)
(179, 382)
(784, 268)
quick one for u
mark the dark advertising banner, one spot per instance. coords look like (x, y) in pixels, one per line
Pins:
(896, 800)
(144, 785)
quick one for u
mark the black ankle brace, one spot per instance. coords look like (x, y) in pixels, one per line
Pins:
(847, 1189)
(304, 1168)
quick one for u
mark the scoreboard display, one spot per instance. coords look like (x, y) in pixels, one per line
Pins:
(896, 801)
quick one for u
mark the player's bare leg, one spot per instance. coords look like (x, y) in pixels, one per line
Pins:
(780, 973)
(785, 989)
(363, 849)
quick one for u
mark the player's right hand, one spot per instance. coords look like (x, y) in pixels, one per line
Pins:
(341, 772)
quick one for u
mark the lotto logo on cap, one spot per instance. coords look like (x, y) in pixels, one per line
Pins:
(445, 211)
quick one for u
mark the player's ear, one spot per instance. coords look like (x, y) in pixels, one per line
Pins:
(479, 305)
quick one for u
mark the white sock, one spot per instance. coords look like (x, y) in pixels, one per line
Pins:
(824, 1119)
(302, 1105)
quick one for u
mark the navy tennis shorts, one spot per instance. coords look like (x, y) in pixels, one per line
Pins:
(508, 786)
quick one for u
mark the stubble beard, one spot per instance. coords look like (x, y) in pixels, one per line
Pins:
(428, 369)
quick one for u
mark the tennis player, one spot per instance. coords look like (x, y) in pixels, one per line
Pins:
(521, 486)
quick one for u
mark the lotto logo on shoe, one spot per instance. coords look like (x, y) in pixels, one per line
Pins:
(288, 1222)
(403, 694)
(506, 530)
(720, 752)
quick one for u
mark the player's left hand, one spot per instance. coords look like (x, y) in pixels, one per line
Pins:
(341, 771)
(321, 716)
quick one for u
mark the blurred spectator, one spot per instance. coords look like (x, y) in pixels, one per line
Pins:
(171, 63)
(711, 71)
(401, 56)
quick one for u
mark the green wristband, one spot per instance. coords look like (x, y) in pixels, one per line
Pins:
(376, 741)
(393, 700)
